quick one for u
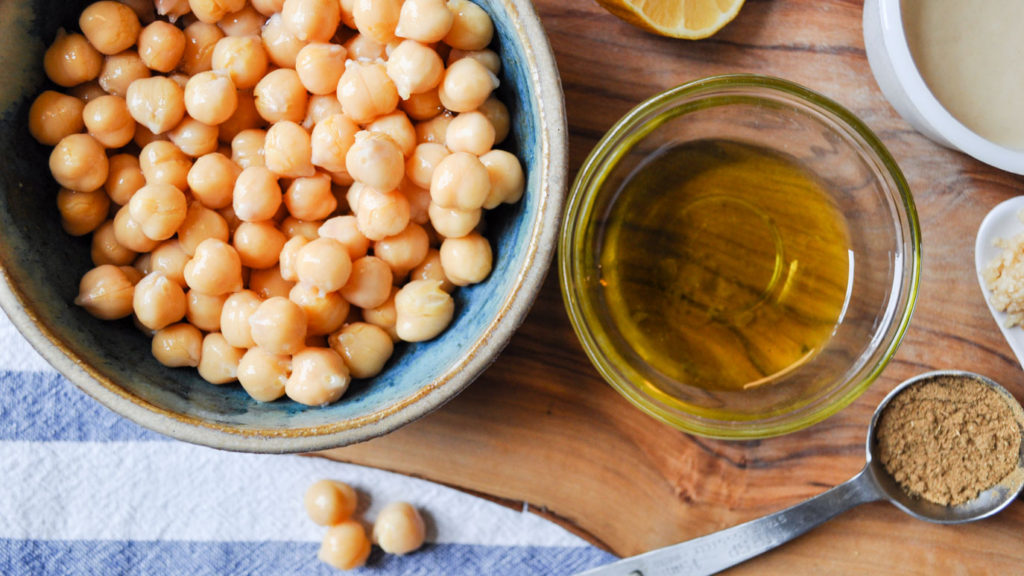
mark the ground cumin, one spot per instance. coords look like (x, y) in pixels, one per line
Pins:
(948, 439)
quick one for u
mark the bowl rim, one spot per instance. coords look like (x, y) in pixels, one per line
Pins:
(553, 160)
(903, 296)
(920, 96)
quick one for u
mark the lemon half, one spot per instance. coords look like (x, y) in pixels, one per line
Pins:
(690, 19)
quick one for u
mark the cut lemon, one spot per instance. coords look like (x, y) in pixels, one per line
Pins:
(691, 19)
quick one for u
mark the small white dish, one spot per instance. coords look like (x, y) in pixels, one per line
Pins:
(1001, 222)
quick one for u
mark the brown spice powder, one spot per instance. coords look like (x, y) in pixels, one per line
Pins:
(946, 440)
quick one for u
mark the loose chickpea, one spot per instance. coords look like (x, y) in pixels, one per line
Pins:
(158, 301)
(431, 269)
(325, 311)
(105, 248)
(106, 292)
(218, 363)
(399, 529)
(234, 318)
(110, 27)
(281, 45)
(200, 224)
(365, 49)
(423, 310)
(472, 28)
(405, 250)
(366, 91)
(397, 126)
(345, 229)
(466, 85)
(319, 108)
(200, 40)
(278, 326)
(419, 168)
(211, 11)
(329, 502)
(257, 195)
(288, 151)
(382, 214)
(466, 260)
(247, 148)
(264, 375)
(414, 68)
(375, 160)
(311, 20)
(319, 377)
(244, 22)
(157, 103)
(124, 178)
(424, 106)
(71, 60)
(268, 283)
(258, 244)
(211, 97)
(345, 546)
(212, 180)
(53, 116)
(434, 130)
(87, 91)
(243, 58)
(178, 345)
(214, 269)
(426, 21)
(280, 96)
(369, 284)
(507, 179)
(331, 141)
(82, 212)
(310, 198)
(470, 132)
(452, 222)
(497, 113)
(129, 234)
(460, 181)
(79, 162)
(268, 7)
(120, 70)
(323, 263)
(419, 201)
(489, 58)
(194, 138)
(108, 121)
(377, 19)
(320, 66)
(162, 162)
(159, 209)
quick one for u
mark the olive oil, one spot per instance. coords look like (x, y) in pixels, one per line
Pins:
(724, 265)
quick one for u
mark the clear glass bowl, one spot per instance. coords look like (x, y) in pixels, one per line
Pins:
(863, 183)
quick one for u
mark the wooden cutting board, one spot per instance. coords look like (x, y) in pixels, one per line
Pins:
(541, 427)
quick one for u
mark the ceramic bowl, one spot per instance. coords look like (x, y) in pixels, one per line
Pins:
(861, 181)
(903, 86)
(41, 266)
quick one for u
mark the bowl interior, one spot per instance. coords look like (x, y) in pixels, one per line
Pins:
(42, 266)
(864, 187)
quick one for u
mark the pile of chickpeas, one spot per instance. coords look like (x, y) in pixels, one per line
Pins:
(398, 529)
(278, 191)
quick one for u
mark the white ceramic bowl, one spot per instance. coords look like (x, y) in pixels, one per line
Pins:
(897, 75)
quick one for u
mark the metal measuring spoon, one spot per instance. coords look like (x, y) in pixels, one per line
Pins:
(720, 550)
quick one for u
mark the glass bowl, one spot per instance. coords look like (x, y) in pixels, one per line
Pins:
(708, 371)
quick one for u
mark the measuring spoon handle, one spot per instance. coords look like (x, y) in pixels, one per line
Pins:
(720, 550)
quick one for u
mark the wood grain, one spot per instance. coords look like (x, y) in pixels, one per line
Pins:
(541, 427)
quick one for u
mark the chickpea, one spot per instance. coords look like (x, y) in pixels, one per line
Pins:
(365, 49)
(229, 216)
(331, 141)
(369, 284)
(279, 326)
(242, 57)
(214, 269)
(169, 259)
(71, 60)
(423, 106)
(164, 163)
(219, 361)
(375, 160)
(178, 345)
(452, 222)
(212, 180)
(489, 58)
(466, 260)
(268, 7)
(200, 224)
(82, 212)
(472, 28)
(425, 21)
(329, 502)
(247, 148)
(403, 251)
(158, 301)
(257, 194)
(200, 40)
(144, 137)
(289, 252)
(466, 85)
(507, 179)
(268, 283)
(143, 265)
(431, 269)
(288, 151)
(423, 310)
(419, 168)
(258, 244)
(325, 311)
(310, 198)
(129, 234)
(120, 70)
(246, 117)
(319, 108)
(470, 132)
(281, 45)
(173, 9)
(419, 201)
(460, 181)
(157, 103)
(53, 116)
(497, 113)
(345, 546)
(397, 126)
(244, 22)
(434, 130)
(366, 91)
(211, 11)
(105, 248)
(319, 377)
(124, 178)
(384, 316)
(87, 91)
(345, 229)
(234, 318)
(280, 96)
(110, 27)
(311, 20)
(106, 292)
(159, 209)
(323, 263)
(204, 310)
(264, 375)
(108, 121)
(382, 214)
(210, 97)
(346, 13)
(377, 19)
(414, 68)
(79, 162)
(194, 138)
(320, 66)
(399, 529)
(364, 347)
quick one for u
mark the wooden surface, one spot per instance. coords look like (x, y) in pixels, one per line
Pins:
(541, 427)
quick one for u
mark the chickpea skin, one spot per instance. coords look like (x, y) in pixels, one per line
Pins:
(111, 27)
(279, 326)
(311, 20)
(366, 91)
(470, 132)
(325, 311)
(375, 160)
(79, 162)
(460, 181)
(53, 116)
(364, 347)
(242, 57)
(466, 260)
(257, 194)
(414, 68)
(106, 292)
(158, 301)
(218, 363)
(329, 502)
(178, 345)
(472, 28)
(320, 66)
(323, 263)
(399, 529)
(288, 150)
(82, 212)
(425, 21)
(264, 375)
(377, 19)
(280, 96)
(71, 60)
(319, 377)
(157, 103)
(331, 140)
(124, 178)
(422, 310)
(210, 97)
(234, 318)
(345, 546)
(258, 244)
(214, 269)
(161, 46)
(466, 85)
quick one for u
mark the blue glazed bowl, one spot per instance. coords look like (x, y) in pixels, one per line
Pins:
(41, 265)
